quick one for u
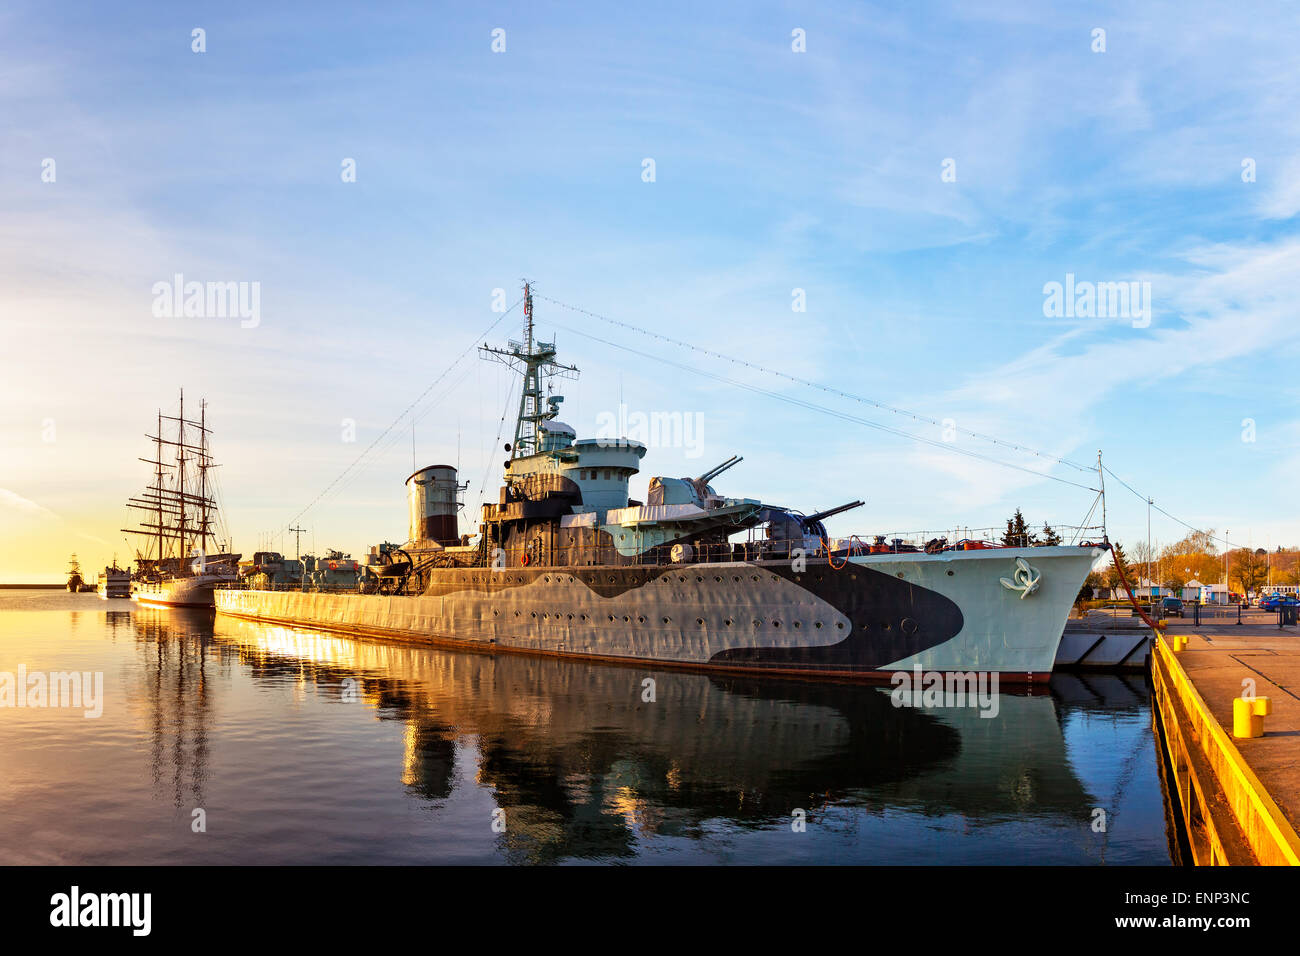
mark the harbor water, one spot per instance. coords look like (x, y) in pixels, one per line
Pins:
(224, 741)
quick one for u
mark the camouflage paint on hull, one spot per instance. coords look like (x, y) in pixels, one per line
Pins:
(874, 615)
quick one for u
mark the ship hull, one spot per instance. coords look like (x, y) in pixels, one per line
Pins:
(180, 592)
(868, 617)
(114, 583)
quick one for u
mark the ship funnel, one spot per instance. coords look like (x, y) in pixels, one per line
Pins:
(433, 499)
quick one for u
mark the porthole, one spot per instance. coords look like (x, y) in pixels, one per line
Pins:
(776, 623)
(626, 619)
(611, 618)
(818, 625)
(839, 625)
(950, 574)
(699, 621)
(667, 620)
(640, 620)
(797, 624)
(534, 614)
(758, 623)
(900, 574)
(727, 622)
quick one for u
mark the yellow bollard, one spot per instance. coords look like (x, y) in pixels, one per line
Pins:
(1243, 717)
(1248, 715)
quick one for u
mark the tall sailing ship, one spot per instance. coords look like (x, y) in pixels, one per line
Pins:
(566, 563)
(75, 580)
(181, 518)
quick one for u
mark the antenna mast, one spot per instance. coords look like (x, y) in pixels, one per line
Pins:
(535, 360)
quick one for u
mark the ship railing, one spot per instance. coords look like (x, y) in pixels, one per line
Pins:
(245, 585)
(952, 539)
(757, 547)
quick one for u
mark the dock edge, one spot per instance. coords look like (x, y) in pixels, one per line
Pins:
(1229, 817)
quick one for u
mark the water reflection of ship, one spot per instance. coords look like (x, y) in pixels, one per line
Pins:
(173, 691)
(582, 764)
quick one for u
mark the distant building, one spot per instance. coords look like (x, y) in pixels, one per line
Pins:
(1214, 594)
(1146, 590)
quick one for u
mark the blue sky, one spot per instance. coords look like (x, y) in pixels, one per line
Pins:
(774, 170)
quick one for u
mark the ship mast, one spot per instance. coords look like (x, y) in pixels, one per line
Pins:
(170, 508)
(159, 485)
(535, 360)
(180, 477)
(203, 476)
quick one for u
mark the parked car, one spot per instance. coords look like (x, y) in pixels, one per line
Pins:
(1171, 607)
(1275, 601)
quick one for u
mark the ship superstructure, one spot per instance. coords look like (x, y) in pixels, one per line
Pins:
(180, 557)
(114, 582)
(567, 563)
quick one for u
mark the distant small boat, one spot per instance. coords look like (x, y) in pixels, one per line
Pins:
(114, 582)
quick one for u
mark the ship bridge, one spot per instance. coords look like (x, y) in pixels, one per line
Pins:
(599, 468)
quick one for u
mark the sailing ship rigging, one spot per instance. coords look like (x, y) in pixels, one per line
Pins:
(178, 535)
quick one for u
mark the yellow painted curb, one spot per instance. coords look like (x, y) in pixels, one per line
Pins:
(1283, 844)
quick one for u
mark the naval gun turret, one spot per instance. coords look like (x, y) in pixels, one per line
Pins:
(812, 524)
(787, 530)
(719, 469)
(689, 491)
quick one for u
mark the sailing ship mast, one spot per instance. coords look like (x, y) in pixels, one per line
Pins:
(173, 509)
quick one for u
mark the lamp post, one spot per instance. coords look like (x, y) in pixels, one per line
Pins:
(1226, 546)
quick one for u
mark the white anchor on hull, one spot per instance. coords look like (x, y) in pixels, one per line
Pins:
(1026, 578)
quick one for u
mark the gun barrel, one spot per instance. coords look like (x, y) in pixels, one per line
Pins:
(829, 512)
(719, 469)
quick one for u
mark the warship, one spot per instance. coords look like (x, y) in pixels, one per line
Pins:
(174, 567)
(566, 564)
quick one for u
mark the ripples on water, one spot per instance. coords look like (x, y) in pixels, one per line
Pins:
(303, 747)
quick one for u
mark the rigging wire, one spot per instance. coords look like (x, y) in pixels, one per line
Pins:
(915, 416)
(813, 406)
(397, 436)
(510, 393)
(456, 361)
(1175, 518)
